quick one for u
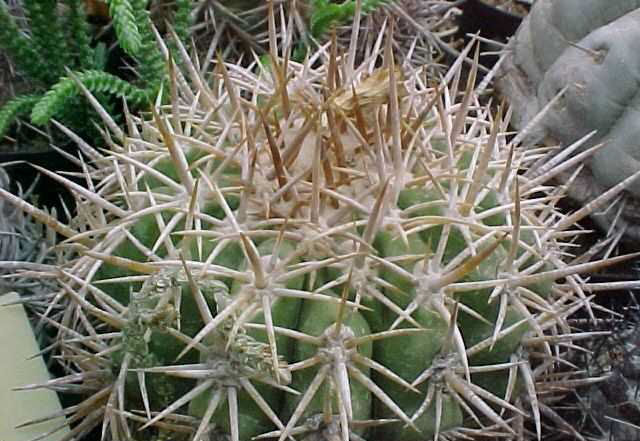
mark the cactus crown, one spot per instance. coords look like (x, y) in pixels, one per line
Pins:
(315, 250)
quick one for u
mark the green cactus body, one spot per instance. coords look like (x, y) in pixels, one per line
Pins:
(297, 259)
(318, 320)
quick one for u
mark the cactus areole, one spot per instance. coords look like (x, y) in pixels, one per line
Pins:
(315, 251)
(580, 53)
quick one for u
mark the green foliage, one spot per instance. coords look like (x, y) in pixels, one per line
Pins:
(59, 40)
(18, 45)
(15, 108)
(80, 35)
(182, 18)
(326, 14)
(47, 37)
(124, 21)
(54, 101)
(151, 67)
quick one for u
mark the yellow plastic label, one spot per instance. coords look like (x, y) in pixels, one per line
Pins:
(17, 368)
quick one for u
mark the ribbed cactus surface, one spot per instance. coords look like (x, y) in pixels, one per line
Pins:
(577, 53)
(315, 251)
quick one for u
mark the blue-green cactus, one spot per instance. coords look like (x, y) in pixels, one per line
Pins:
(583, 49)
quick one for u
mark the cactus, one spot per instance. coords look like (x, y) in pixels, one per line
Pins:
(423, 29)
(581, 48)
(22, 240)
(317, 251)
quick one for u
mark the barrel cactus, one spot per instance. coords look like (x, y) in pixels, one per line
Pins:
(583, 49)
(316, 251)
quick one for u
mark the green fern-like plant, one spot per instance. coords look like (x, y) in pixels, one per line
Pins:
(16, 108)
(58, 56)
(326, 14)
(56, 98)
(123, 15)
